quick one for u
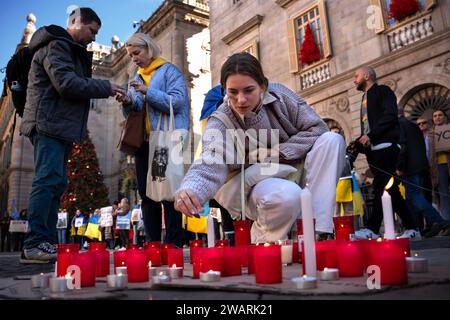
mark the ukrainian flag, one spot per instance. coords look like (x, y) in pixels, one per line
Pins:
(358, 202)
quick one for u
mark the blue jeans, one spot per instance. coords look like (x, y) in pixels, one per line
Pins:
(62, 236)
(444, 197)
(49, 183)
(417, 202)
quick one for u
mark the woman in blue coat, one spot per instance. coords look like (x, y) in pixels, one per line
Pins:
(150, 90)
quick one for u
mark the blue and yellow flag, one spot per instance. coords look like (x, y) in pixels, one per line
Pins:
(358, 202)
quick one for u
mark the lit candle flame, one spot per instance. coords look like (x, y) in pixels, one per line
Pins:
(416, 254)
(342, 225)
(174, 265)
(267, 244)
(68, 275)
(67, 250)
(149, 264)
(406, 253)
(210, 271)
(379, 240)
(119, 274)
(325, 269)
(123, 262)
(161, 273)
(305, 276)
(389, 184)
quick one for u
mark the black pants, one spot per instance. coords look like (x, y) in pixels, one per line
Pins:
(383, 165)
(152, 211)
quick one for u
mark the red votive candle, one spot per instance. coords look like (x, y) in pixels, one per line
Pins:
(390, 257)
(231, 257)
(242, 232)
(166, 246)
(120, 258)
(222, 243)
(137, 265)
(351, 258)
(154, 255)
(404, 245)
(196, 254)
(98, 249)
(343, 227)
(86, 262)
(268, 264)
(295, 258)
(211, 259)
(175, 257)
(251, 258)
(64, 253)
(194, 244)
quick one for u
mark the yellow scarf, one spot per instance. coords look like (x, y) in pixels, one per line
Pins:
(147, 74)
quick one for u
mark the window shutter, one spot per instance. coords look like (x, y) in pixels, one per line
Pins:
(325, 30)
(292, 43)
(378, 17)
(429, 4)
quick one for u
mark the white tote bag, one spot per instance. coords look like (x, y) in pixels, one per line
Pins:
(165, 162)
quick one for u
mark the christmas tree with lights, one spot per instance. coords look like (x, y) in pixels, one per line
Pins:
(86, 190)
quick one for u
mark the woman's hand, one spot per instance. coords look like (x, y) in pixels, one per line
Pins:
(123, 98)
(139, 87)
(187, 203)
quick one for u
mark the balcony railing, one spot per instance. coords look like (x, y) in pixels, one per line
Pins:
(411, 32)
(315, 75)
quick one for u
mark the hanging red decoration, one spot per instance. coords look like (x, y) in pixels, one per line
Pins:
(400, 9)
(309, 51)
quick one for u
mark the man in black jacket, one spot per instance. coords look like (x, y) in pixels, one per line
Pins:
(412, 166)
(380, 133)
(56, 112)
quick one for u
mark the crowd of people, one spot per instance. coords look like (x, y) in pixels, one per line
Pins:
(303, 153)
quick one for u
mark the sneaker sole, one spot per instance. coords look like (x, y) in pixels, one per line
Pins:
(31, 261)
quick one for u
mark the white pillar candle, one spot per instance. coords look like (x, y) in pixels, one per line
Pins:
(416, 264)
(122, 270)
(40, 280)
(305, 282)
(286, 252)
(388, 216)
(328, 274)
(210, 231)
(308, 232)
(58, 284)
(210, 276)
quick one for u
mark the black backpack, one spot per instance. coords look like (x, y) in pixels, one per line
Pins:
(17, 77)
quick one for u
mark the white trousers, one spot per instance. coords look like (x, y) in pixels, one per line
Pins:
(274, 204)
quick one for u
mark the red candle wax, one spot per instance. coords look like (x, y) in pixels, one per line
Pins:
(268, 264)
(86, 262)
(388, 255)
(242, 232)
(351, 258)
(231, 257)
(120, 258)
(243, 254)
(166, 246)
(404, 245)
(343, 227)
(137, 265)
(175, 257)
(210, 259)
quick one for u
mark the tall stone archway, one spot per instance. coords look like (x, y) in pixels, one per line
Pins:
(425, 99)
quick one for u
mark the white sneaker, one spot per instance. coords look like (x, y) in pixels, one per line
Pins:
(412, 234)
(365, 234)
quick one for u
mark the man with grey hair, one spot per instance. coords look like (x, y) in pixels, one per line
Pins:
(380, 134)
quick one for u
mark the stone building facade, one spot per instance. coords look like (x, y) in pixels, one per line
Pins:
(181, 29)
(411, 56)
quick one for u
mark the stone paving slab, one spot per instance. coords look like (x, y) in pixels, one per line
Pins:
(19, 287)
